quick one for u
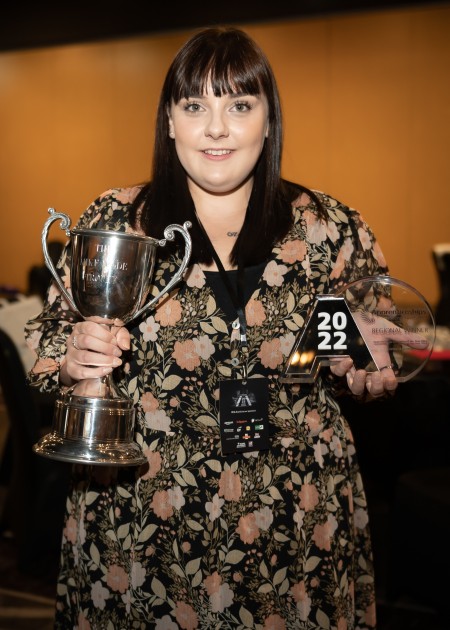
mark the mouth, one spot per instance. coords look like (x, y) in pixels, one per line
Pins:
(217, 152)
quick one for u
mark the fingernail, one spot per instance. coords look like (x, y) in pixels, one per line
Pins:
(116, 362)
(107, 370)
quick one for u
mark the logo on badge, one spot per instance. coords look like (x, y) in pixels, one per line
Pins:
(244, 398)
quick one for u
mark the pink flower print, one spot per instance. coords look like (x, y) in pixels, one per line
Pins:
(168, 312)
(364, 238)
(33, 340)
(117, 578)
(214, 507)
(149, 329)
(161, 505)
(158, 420)
(303, 200)
(287, 343)
(264, 518)
(332, 231)
(361, 518)
(247, 529)
(344, 255)
(298, 517)
(149, 402)
(99, 595)
(320, 450)
(270, 353)
(293, 251)
(137, 575)
(379, 256)
(45, 366)
(53, 293)
(324, 533)
(221, 599)
(212, 583)
(327, 434)
(303, 601)
(336, 446)
(229, 486)
(309, 497)
(176, 497)
(203, 347)
(274, 622)
(165, 623)
(71, 530)
(313, 421)
(127, 195)
(154, 464)
(186, 616)
(316, 228)
(255, 313)
(185, 355)
(274, 274)
(195, 277)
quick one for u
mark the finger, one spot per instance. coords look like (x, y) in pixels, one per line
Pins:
(95, 338)
(123, 338)
(356, 380)
(81, 372)
(374, 384)
(340, 367)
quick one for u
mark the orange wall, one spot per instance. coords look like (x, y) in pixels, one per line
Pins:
(366, 100)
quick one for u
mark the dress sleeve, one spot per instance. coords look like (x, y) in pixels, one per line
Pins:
(357, 253)
(354, 253)
(46, 334)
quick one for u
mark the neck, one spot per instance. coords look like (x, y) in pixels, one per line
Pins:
(222, 217)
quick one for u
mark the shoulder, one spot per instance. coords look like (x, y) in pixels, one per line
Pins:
(110, 209)
(124, 196)
(316, 205)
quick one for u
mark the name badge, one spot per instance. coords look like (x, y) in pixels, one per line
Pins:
(244, 415)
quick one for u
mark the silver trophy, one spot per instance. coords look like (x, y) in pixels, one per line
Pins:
(110, 279)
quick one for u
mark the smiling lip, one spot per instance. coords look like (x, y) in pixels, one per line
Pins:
(217, 154)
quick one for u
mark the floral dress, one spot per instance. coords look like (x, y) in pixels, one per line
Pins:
(276, 539)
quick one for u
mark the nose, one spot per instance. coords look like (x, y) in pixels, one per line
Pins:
(216, 126)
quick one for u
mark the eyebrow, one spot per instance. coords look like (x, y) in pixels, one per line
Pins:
(231, 95)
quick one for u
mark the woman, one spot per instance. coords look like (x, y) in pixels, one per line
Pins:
(211, 534)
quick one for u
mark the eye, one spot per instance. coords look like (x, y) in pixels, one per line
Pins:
(241, 106)
(192, 106)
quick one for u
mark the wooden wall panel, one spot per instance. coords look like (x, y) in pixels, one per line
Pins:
(366, 101)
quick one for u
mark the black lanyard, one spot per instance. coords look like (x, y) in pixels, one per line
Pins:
(237, 296)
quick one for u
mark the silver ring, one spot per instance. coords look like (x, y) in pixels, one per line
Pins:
(74, 343)
(385, 367)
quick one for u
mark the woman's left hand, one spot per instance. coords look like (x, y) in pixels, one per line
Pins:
(377, 332)
(376, 383)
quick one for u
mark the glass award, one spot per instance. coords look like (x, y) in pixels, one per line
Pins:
(378, 321)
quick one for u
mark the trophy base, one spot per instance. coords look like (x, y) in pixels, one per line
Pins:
(95, 431)
(55, 446)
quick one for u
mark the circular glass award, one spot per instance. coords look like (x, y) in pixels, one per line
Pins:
(379, 321)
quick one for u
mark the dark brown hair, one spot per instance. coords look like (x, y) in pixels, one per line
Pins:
(232, 62)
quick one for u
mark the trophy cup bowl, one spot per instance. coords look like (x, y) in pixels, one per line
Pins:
(110, 276)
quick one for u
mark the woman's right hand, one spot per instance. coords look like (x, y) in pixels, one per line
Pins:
(93, 350)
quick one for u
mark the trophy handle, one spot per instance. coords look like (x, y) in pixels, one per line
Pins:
(64, 225)
(169, 236)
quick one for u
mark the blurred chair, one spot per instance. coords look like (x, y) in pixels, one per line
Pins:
(441, 257)
(35, 501)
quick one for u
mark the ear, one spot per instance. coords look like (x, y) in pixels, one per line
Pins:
(171, 129)
(267, 129)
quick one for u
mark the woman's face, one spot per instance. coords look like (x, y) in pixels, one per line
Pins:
(219, 139)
